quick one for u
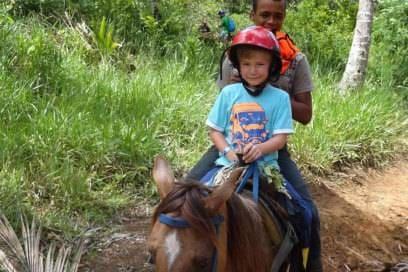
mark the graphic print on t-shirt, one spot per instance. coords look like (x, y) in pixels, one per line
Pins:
(248, 125)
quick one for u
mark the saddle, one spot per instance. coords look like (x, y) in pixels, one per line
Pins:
(279, 228)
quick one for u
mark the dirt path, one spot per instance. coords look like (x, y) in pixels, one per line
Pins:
(364, 226)
(365, 222)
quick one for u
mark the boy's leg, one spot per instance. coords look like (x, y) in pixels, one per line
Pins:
(291, 173)
(205, 164)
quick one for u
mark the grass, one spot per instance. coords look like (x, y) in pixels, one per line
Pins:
(79, 131)
(367, 127)
(79, 144)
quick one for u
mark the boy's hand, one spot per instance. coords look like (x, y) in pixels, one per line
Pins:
(232, 156)
(252, 152)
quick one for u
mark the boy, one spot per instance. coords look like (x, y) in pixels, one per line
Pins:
(252, 117)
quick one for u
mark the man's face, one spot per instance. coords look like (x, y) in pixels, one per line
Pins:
(269, 14)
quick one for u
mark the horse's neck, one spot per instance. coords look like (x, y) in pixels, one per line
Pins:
(222, 252)
(252, 244)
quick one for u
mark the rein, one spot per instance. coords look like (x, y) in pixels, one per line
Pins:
(251, 172)
(180, 223)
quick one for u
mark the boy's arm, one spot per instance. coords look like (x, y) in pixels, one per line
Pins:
(219, 141)
(252, 152)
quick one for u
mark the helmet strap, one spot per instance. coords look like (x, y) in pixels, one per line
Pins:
(252, 90)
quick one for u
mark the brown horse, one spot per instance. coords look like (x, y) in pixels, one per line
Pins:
(195, 228)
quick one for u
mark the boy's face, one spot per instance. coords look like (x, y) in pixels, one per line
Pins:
(269, 14)
(254, 66)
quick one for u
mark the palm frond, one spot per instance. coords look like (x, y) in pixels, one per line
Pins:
(31, 240)
(6, 264)
(12, 251)
(27, 256)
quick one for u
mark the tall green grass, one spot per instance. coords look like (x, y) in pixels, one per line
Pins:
(79, 131)
(367, 127)
(78, 137)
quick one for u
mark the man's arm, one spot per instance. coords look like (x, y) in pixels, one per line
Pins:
(301, 98)
(302, 107)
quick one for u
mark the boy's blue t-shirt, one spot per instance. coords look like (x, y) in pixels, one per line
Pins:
(243, 118)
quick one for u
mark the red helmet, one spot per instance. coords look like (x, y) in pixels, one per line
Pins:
(257, 36)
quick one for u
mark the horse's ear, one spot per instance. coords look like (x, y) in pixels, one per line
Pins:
(163, 176)
(221, 194)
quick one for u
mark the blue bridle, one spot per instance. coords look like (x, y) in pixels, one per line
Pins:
(180, 223)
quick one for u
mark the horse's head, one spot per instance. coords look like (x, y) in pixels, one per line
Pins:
(188, 230)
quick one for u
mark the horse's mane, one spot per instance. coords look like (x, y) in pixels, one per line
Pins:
(246, 236)
(186, 200)
(245, 241)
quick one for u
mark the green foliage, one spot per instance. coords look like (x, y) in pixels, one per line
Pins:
(31, 53)
(5, 18)
(104, 39)
(133, 23)
(366, 127)
(389, 50)
(12, 192)
(84, 147)
(78, 133)
(323, 30)
(24, 7)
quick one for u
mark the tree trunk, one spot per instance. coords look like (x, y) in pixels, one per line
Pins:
(358, 57)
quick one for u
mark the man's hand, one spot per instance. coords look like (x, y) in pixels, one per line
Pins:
(234, 77)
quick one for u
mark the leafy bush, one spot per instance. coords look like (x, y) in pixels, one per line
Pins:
(82, 142)
(31, 54)
(103, 38)
(389, 50)
(366, 127)
(323, 30)
(79, 133)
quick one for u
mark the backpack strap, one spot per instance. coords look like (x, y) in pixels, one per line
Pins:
(288, 50)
